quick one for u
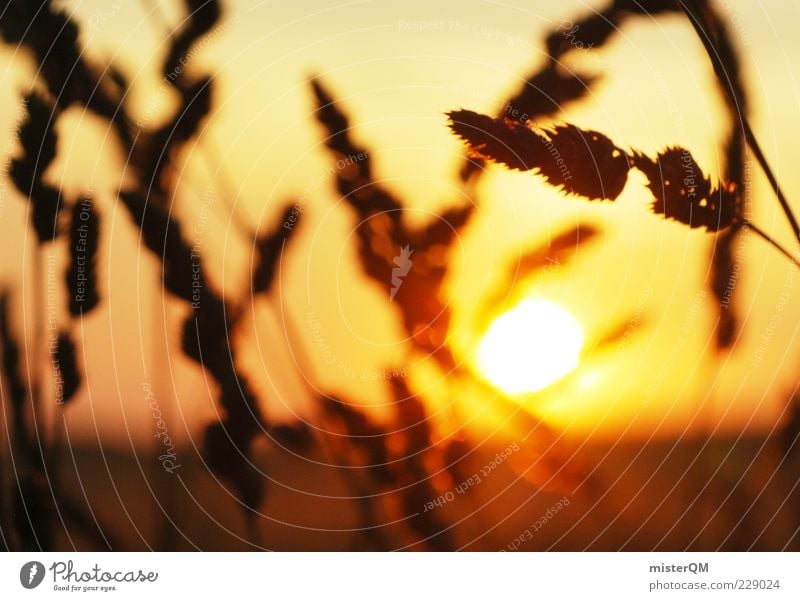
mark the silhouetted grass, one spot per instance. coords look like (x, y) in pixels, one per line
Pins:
(399, 464)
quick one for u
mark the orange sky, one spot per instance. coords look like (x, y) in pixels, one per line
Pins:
(398, 76)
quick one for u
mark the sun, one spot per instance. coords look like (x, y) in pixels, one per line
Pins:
(530, 347)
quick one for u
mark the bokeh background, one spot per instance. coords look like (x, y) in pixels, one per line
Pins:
(661, 418)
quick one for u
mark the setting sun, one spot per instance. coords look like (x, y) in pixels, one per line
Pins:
(530, 347)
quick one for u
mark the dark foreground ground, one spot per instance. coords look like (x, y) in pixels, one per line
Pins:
(660, 496)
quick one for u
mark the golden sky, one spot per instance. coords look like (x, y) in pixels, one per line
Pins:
(399, 67)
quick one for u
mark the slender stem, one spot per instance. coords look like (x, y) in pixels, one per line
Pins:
(153, 10)
(207, 146)
(773, 181)
(761, 233)
(211, 153)
(5, 501)
(38, 344)
(56, 447)
(695, 15)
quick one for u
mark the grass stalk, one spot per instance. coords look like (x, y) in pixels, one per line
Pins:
(702, 28)
(765, 236)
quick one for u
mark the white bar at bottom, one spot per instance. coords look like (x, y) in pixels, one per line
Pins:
(400, 576)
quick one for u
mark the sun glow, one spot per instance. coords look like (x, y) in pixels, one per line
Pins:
(530, 347)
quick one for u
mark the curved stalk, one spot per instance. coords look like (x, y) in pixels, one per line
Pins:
(701, 27)
(762, 234)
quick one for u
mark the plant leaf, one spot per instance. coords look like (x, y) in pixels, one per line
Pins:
(362, 433)
(546, 92)
(546, 254)
(584, 162)
(683, 193)
(202, 16)
(504, 141)
(228, 454)
(182, 269)
(270, 248)
(581, 162)
(81, 275)
(38, 140)
(66, 364)
(15, 385)
(354, 178)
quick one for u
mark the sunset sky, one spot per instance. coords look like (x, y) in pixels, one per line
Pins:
(398, 67)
